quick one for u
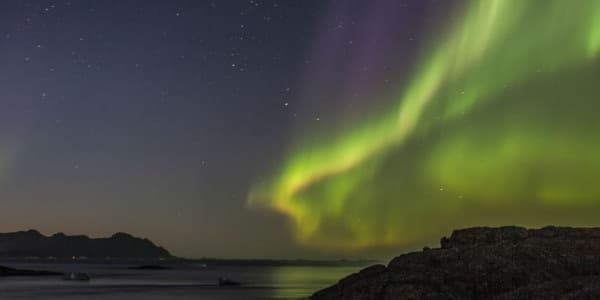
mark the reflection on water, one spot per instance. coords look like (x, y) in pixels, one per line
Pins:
(182, 282)
(299, 282)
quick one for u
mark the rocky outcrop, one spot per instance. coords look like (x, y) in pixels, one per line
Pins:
(487, 263)
(31, 243)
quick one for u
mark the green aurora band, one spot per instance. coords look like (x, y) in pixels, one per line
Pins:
(498, 125)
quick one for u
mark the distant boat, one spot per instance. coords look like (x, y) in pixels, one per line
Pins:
(227, 282)
(76, 276)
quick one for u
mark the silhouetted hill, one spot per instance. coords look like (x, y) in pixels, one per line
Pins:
(31, 243)
(486, 263)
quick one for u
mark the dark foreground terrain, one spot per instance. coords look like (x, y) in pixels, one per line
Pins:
(486, 263)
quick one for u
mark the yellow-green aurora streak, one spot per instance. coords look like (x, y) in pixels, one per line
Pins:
(499, 117)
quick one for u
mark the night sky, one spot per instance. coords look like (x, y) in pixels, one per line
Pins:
(286, 129)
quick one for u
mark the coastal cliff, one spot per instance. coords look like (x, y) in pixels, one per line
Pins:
(486, 263)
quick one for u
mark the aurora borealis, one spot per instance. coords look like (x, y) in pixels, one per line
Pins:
(297, 129)
(496, 123)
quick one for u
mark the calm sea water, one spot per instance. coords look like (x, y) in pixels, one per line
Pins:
(183, 282)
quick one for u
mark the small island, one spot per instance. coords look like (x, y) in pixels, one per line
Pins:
(6, 271)
(150, 267)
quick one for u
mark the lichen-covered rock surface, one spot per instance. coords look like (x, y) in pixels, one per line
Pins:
(486, 263)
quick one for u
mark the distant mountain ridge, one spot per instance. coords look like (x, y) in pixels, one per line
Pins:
(32, 243)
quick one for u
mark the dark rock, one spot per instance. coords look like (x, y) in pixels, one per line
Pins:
(227, 282)
(76, 276)
(31, 243)
(487, 263)
(369, 282)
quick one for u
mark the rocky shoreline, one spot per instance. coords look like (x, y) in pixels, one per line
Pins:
(486, 263)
